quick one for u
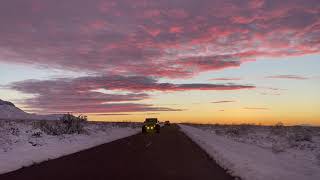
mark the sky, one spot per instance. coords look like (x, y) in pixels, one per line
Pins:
(209, 61)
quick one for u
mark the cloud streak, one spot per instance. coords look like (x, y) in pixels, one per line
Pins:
(220, 102)
(293, 77)
(256, 108)
(81, 95)
(111, 114)
(225, 79)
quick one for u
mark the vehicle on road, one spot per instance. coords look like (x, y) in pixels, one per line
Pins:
(151, 125)
(167, 123)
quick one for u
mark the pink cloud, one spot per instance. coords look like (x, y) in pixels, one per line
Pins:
(116, 82)
(81, 95)
(175, 29)
(208, 63)
(143, 41)
(112, 107)
(124, 37)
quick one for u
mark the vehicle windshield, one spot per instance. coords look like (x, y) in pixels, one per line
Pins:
(151, 120)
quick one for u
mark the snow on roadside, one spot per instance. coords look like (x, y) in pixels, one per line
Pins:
(251, 162)
(22, 145)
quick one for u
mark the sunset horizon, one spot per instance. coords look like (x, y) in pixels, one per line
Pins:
(224, 62)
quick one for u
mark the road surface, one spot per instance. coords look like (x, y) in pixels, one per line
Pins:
(165, 156)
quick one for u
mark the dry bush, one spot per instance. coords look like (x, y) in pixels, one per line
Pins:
(36, 134)
(316, 131)
(237, 130)
(50, 127)
(278, 147)
(300, 137)
(73, 124)
(68, 124)
(278, 129)
(318, 158)
(14, 131)
(299, 134)
(232, 131)
(219, 132)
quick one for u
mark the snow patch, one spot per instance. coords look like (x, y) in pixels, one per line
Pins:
(253, 160)
(22, 145)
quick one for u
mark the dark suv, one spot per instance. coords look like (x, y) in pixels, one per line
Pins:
(151, 125)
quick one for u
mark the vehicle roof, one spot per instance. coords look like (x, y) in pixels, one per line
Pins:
(151, 118)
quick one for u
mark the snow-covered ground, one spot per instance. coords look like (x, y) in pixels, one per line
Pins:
(261, 153)
(23, 144)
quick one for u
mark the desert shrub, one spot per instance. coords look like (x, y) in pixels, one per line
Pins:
(237, 130)
(218, 132)
(317, 131)
(278, 147)
(232, 131)
(300, 137)
(318, 158)
(50, 127)
(278, 129)
(68, 124)
(73, 124)
(247, 128)
(299, 134)
(36, 134)
(14, 131)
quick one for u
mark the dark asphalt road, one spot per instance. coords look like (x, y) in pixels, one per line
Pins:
(168, 155)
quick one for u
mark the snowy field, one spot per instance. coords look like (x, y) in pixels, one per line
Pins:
(261, 152)
(23, 143)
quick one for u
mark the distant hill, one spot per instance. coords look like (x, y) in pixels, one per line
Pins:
(9, 111)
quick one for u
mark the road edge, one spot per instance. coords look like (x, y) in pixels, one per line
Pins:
(202, 145)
